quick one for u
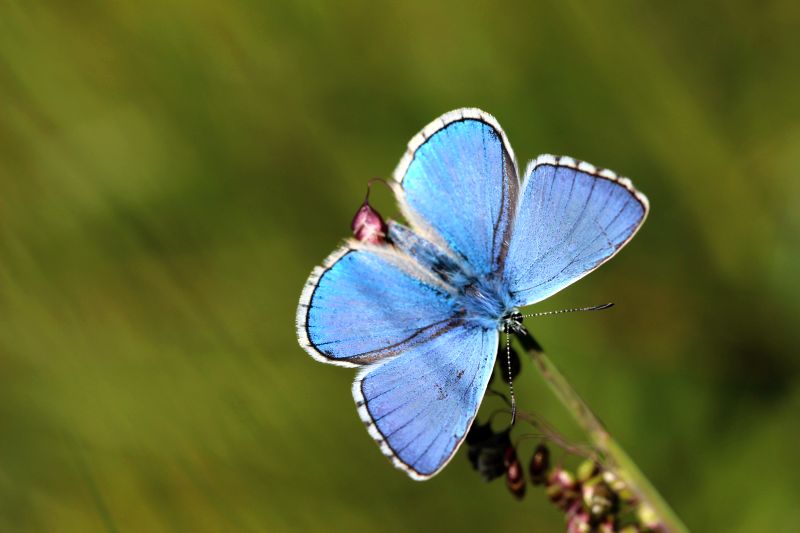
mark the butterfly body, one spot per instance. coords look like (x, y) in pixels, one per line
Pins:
(421, 313)
(486, 301)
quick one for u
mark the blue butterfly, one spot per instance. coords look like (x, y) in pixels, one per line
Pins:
(421, 317)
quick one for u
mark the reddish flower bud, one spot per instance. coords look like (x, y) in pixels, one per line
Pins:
(540, 463)
(515, 478)
(562, 478)
(486, 450)
(599, 499)
(561, 488)
(578, 520)
(608, 526)
(368, 225)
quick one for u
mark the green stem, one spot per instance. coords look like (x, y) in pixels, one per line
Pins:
(615, 457)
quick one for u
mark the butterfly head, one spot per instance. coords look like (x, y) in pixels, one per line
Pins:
(512, 322)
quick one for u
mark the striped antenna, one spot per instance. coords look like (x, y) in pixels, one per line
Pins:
(573, 310)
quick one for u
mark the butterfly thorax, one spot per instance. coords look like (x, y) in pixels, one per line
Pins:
(486, 302)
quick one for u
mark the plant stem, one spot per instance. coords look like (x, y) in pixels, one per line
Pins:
(613, 454)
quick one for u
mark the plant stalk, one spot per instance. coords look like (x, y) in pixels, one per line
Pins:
(615, 457)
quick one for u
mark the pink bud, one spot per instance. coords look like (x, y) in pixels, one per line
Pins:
(561, 488)
(368, 225)
(578, 520)
(609, 526)
(562, 478)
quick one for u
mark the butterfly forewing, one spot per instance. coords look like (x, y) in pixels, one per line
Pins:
(458, 186)
(571, 219)
(366, 304)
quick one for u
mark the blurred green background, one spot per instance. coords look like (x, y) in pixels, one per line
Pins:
(170, 172)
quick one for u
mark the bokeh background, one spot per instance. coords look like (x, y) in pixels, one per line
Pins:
(170, 172)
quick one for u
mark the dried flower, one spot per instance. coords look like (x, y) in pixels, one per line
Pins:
(608, 526)
(578, 520)
(515, 477)
(486, 450)
(540, 463)
(561, 488)
(599, 499)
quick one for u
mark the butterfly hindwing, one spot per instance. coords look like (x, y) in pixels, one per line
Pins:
(419, 406)
(458, 186)
(571, 219)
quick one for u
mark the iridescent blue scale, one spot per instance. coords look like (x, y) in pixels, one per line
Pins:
(421, 316)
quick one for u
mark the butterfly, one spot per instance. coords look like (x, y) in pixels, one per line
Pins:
(420, 315)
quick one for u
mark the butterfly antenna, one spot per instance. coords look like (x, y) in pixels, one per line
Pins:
(510, 382)
(573, 310)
